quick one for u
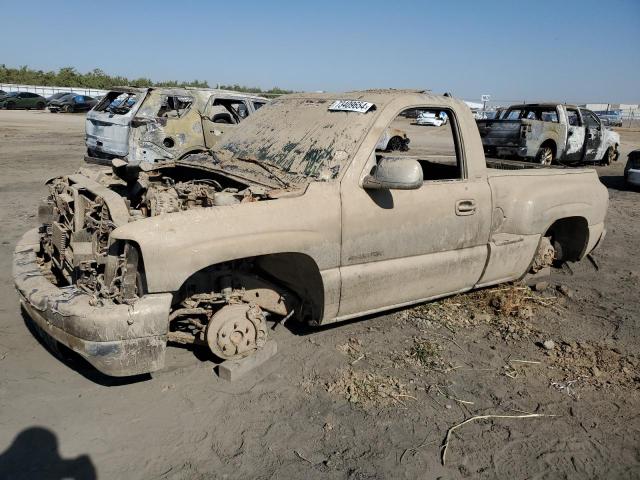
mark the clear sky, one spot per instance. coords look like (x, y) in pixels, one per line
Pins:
(566, 50)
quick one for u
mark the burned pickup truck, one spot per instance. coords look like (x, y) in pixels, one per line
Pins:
(157, 124)
(298, 216)
(549, 133)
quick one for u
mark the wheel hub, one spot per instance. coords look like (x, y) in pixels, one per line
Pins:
(236, 330)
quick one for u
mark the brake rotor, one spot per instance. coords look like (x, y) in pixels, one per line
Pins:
(236, 331)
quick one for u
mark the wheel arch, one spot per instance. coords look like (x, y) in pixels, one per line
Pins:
(570, 237)
(192, 151)
(294, 272)
(550, 142)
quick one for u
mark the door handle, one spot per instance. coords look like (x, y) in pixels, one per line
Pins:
(465, 207)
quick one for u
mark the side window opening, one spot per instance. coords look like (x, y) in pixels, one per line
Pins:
(512, 115)
(427, 135)
(539, 113)
(228, 110)
(573, 119)
(590, 119)
(258, 105)
(174, 106)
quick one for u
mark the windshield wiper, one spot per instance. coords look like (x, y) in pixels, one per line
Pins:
(267, 168)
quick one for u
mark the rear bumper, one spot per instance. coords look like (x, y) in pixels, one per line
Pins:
(118, 340)
(510, 151)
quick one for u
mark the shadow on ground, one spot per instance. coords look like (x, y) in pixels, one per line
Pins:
(34, 453)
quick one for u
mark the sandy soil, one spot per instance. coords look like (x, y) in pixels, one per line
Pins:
(366, 399)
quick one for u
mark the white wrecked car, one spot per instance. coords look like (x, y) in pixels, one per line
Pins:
(432, 118)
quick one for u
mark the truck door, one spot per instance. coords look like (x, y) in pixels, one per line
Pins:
(402, 246)
(593, 135)
(575, 136)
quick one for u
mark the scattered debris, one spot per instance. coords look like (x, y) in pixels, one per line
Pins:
(541, 286)
(566, 387)
(445, 444)
(595, 365)
(549, 344)
(566, 291)
(353, 347)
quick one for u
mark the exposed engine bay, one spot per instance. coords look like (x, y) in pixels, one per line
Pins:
(83, 209)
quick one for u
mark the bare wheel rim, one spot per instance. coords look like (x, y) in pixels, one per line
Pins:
(546, 156)
(610, 155)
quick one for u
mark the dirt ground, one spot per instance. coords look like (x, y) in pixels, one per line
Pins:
(365, 399)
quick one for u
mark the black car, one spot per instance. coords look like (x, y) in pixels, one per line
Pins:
(72, 102)
(59, 95)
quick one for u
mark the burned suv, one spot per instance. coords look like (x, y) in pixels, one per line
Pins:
(157, 124)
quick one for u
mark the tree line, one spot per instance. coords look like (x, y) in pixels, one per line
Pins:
(98, 79)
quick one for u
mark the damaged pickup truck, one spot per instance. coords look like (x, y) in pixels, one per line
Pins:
(550, 133)
(157, 124)
(296, 215)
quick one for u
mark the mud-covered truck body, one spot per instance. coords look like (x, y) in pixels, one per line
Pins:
(295, 215)
(549, 133)
(148, 125)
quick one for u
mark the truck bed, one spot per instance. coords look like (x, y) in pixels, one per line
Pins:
(504, 164)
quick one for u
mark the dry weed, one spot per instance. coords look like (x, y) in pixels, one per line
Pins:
(508, 308)
(425, 353)
(368, 389)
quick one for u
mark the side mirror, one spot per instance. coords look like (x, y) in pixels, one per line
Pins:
(394, 174)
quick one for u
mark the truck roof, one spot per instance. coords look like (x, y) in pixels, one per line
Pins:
(543, 105)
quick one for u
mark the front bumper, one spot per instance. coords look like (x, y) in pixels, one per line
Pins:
(118, 340)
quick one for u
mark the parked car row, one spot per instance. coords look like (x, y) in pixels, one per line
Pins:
(70, 102)
(58, 102)
(22, 100)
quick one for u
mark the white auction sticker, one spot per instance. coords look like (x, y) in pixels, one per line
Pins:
(350, 106)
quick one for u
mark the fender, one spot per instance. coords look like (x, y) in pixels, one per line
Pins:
(545, 202)
(609, 139)
(544, 131)
(176, 245)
